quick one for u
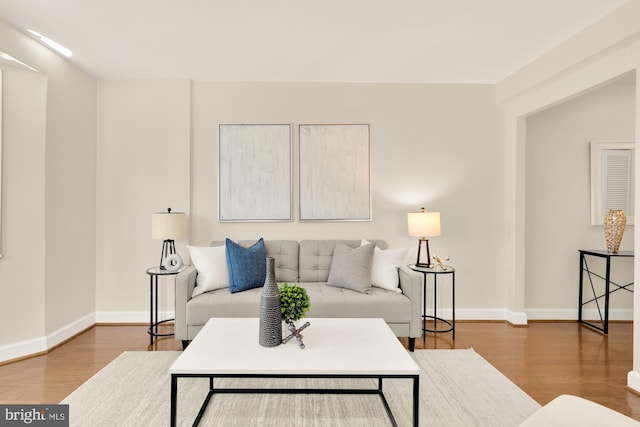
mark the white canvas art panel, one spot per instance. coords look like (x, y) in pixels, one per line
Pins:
(254, 172)
(335, 172)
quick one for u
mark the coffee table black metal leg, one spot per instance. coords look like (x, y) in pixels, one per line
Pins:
(204, 405)
(174, 399)
(416, 400)
(387, 408)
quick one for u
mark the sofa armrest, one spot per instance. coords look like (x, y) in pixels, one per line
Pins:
(411, 285)
(185, 282)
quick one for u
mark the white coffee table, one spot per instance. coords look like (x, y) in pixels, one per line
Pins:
(335, 348)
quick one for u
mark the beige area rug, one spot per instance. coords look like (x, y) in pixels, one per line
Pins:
(457, 388)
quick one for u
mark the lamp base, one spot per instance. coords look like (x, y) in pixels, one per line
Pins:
(168, 248)
(422, 264)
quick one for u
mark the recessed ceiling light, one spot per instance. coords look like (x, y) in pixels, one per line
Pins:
(52, 44)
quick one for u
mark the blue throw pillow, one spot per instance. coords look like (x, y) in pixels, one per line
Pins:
(247, 266)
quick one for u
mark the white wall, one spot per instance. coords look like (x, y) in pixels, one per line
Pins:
(143, 167)
(70, 197)
(422, 156)
(47, 276)
(22, 269)
(558, 201)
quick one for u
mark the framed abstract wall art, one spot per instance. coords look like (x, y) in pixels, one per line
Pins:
(335, 172)
(254, 182)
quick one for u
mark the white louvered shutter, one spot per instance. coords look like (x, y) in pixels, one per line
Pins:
(617, 181)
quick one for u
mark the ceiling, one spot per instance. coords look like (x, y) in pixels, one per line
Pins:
(407, 41)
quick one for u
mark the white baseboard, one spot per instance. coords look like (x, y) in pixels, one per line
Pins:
(70, 330)
(521, 318)
(129, 316)
(572, 314)
(23, 348)
(517, 317)
(487, 314)
(41, 344)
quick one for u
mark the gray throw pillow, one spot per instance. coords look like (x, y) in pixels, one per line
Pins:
(351, 268)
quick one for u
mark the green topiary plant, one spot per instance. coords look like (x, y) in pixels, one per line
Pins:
(294, 302)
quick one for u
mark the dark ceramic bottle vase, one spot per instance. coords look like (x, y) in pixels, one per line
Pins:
(270, 314)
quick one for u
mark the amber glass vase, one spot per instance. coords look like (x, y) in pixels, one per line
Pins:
(614, 223)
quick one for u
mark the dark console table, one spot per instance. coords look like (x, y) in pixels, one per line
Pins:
(609, 286)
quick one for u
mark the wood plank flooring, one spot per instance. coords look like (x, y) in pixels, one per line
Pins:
(544, 359)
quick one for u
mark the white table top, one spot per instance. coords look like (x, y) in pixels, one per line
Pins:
(333, 347)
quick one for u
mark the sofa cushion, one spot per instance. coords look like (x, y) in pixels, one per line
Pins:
(247, 266)
(316, 257)
(351, 268)
(326, 301)
(211, 265)
(284, 253)
(222, 303)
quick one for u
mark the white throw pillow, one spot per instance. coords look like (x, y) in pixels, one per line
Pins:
(384, 269)
(211, 264)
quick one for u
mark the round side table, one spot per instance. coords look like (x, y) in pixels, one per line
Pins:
(154, 273)
(437, 271)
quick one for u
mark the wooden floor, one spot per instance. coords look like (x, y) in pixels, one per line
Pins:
(544, 359)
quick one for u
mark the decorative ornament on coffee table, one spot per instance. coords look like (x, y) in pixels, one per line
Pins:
(294, 303)
(614, 223)
(270, 314)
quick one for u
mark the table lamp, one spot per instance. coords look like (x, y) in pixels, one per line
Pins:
(423, 225)
(168, 226)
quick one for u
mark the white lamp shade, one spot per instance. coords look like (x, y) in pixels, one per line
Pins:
(423, 224)
(168, 226)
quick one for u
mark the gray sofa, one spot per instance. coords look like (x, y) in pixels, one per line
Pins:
(306, 263)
